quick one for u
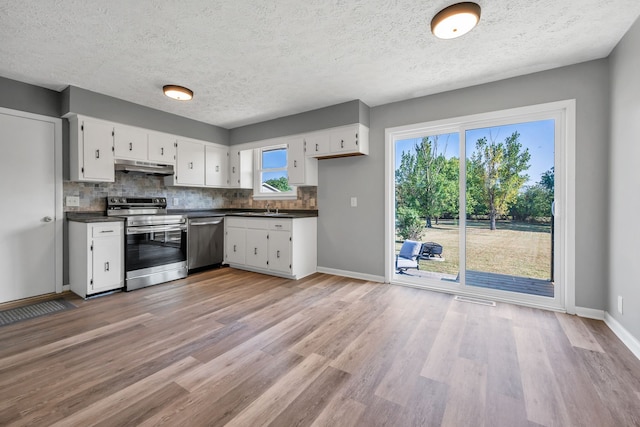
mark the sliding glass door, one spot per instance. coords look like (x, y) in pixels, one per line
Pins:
(510, 194)
(484, 225)
(427, 193)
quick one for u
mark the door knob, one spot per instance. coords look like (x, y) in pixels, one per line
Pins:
(47, 219)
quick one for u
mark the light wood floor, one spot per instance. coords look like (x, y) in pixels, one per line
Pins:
(241, 349)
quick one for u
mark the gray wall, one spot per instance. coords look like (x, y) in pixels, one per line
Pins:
(81, 101)
(352, 239)
(336, 115)
(624, 227)
(25, 97)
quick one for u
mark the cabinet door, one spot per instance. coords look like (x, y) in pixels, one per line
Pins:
(97, 140)
(257, 247)
(162, 148)
(130, 143)
(295, 158)
(302, 170)
(107, 264)
(241, 168)
(216, 161)
(318, 144)
(344, 140)
(235, 245)
(190, 163)
(280, 251)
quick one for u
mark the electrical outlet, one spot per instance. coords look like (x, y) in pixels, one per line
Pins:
(619, 304)
(354, 202)
(176, 201)
(73, 201)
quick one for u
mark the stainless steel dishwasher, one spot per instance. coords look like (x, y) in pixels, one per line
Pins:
(205, 240)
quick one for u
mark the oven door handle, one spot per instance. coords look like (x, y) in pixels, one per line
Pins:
(155, 229)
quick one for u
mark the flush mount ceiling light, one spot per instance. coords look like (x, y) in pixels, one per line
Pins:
(178, 92)
(455, 20)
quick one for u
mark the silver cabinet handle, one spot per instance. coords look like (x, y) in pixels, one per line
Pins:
(316, 147)
(162, 151)
(233, 169)
(131, 146)
(255, 251)
(295, 163)
(342, 143)
(97, 154)
(47, 219)
(234, 248)
(217, 168)
(190, 165)
(106, 266)
(277, 254)
(106, 231)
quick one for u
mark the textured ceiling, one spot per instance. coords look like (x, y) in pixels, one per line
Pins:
(249, 61)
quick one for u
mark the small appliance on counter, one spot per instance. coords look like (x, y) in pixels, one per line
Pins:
(155, 242)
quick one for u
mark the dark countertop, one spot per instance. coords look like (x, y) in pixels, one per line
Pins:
(201, 213)
(91, 217)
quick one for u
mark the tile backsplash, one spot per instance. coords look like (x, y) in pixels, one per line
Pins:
(93, 195)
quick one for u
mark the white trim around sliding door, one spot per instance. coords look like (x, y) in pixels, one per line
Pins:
(563, 111)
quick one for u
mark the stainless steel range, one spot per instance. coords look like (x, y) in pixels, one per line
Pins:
(156, 243)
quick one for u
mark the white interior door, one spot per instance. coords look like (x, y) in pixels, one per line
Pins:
(28, 219)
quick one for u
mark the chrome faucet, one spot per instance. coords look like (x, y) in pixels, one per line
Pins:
(268, 211)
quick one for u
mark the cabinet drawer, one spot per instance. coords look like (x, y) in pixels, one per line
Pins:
(280, 224)
(259, 224)
(114, 229)
(234, 221)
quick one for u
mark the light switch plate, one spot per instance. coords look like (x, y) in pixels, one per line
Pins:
(619, 304)
(354, 202)
(73, 201)
(176, 201)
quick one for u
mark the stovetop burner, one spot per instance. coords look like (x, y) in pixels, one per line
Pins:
(142, 211)
(125, 206)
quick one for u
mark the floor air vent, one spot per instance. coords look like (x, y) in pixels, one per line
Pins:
(475, 301)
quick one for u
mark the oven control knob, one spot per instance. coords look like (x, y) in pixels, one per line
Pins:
(156, 201)
(123, 200)
(114, 200)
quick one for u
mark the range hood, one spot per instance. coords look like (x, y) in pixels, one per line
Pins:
(149, 168)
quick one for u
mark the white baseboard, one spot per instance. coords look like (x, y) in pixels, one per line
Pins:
(352, 274)
(625, 336)
(590, 313)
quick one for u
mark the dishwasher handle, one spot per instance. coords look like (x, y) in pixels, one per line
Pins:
(214, 222)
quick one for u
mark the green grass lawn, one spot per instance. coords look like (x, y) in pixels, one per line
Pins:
(517, 249)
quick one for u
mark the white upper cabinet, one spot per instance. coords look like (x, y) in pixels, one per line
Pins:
(189, 163)
(91, 150)
(318, 144)
(240, 168)
(216, 165)
(162, 148)
(351, 140)
(199, 164)
(302, 170)
(130, 143)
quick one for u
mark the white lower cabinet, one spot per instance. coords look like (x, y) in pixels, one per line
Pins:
(284, 247)
(235, 244)
(280, 251)
(96, 257)
(257, 246)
